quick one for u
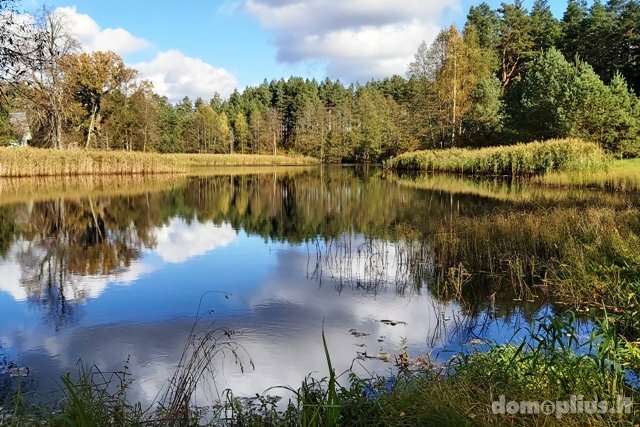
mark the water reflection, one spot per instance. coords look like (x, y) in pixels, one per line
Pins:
(118, 274)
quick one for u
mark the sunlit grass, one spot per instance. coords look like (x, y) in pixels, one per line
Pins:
(623, 175)
(582, 256)
(515, 160)
(17, 162)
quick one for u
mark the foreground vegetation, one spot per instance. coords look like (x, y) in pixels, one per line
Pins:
(514, 160)
(550, 364)
(20, 162)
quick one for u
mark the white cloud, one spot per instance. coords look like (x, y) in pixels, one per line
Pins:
(78, 288)
(176, 243)
(93, 38)
(180, 241)
(11, 274)
(358, 39)
(175, 75)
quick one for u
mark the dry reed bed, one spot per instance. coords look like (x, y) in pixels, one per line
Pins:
(584, 256)
(19, 162)
(516, 160)
(624, 176)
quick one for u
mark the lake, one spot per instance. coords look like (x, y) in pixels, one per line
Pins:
(117, 272)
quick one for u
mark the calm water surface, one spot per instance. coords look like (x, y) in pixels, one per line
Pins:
(105, 269)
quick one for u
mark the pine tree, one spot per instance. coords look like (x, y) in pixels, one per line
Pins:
(515, 44)
(623, 135)
(485, 120)
(625, 42)
(487, 24)
(599, 36)
(546, 97)
(573, 28)
(545, 28)
(591, 107)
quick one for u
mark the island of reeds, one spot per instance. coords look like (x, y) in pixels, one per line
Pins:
(535, 158)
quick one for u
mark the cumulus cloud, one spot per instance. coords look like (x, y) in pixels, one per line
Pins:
(93, 38)
(178, 241)
(358, 39)
(78, 288)
(175, 75)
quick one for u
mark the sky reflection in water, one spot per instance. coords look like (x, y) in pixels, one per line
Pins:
(112, 277)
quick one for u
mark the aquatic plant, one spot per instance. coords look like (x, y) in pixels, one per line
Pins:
(582, 256)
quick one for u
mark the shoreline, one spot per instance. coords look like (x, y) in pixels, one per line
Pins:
(43, 162)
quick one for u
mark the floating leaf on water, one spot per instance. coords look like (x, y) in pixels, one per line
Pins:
(18, 371)
(363, 356)
(392, 322)
(385, 357)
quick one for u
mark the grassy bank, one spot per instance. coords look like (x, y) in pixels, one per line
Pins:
(515, 160)
(549, 364)
(623, 175)
(19, 162)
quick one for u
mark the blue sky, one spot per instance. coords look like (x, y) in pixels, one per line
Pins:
(198, 47)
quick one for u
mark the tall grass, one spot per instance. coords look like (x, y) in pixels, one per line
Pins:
(514, 160)
(623, 175)
(18, 162)
(584, 256)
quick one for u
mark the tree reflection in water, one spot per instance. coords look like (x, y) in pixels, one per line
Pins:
(367, 230)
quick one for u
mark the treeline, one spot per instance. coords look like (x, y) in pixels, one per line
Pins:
(510, 75)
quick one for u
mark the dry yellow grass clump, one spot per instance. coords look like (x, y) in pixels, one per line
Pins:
(623, 175)
(522, 159)
(15, 162)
